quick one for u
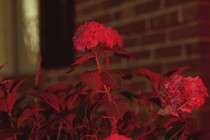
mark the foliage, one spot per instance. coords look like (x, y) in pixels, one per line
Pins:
(102, 103)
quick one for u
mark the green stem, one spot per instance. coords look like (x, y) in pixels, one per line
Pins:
(99, 69)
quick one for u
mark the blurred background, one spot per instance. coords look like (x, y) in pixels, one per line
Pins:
(161, 34)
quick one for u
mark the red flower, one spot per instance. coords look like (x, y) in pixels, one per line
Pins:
(112, 38)
(184, 94)
(117, 137)
(92, 34)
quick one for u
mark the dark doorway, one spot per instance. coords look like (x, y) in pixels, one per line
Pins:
(56, 30)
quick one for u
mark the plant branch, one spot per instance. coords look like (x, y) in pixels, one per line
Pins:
(99, 69)
(10, 118)
(59, 130)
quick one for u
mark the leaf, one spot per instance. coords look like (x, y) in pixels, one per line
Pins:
(153, 77)
(112, 78)
(82, 60)
(49, 98)
(92, 79)
(170, 120)
(45, 128)
(27, 114)
(117, 108)
(118, 51)
(69, 121)
(69, 102)
(172, 72)
(175, 130)
(7, 132)
(7, 103)
(57, 87)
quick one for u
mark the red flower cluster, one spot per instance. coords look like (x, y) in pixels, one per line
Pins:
(117, 137)
(184, 94)
(92, 34)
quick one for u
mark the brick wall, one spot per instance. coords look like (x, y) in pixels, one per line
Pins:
(161, 33)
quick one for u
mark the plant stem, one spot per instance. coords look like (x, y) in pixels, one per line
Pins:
(114, 125)
(97, 62)
(99, 69)
(59, 130)
(10, 118)
(107, 60)
(48, 137)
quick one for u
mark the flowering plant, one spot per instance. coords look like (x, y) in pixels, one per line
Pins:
(103, 104)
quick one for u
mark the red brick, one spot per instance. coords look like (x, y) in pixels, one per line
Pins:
(153, 38)
(129, 42)
(114, 59)
(183, 33)
(125, 13)
(141, 55)
(164, 20)
(192, 49)
(204, 48)
(204, 30)
(173, 51)
(147, 7)
(111, 3)
(190, 13)
(132, 28)
(198, 11)
(169, 3)
(103, 19)
(204, 11)
(90, 9)
(201, 48)
(155, 67)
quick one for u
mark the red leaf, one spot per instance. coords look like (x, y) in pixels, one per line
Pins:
(49, 98)
(118, 51)
(153, 77)
(112, 78)
(69, 121)
(82, 59)
(117, 108)
(57, 87)
(6, 133)
(174, 131)
(45, 129)
(27, 114)
(92, 79)
(172, 72)
(7, 103)
(71, 100)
